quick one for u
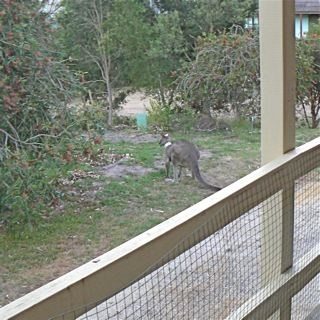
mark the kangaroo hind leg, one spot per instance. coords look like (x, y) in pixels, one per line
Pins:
(175, 173)
(167, 164)
(179, 172)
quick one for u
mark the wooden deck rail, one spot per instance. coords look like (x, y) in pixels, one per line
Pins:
(115, 270)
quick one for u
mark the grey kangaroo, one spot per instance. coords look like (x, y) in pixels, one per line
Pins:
(183, 153)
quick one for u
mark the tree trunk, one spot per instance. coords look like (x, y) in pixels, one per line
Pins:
(109, 92)
(305, 113)
(110, 102)
(314, 120)
(315, 108)
(104, 60)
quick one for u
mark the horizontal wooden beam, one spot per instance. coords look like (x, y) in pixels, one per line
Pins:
(115, 270)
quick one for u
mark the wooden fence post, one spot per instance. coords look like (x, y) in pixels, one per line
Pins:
(277, 54)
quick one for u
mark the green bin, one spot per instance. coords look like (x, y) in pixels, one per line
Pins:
(141, 120)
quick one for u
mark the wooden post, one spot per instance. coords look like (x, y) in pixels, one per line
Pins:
(277, 54)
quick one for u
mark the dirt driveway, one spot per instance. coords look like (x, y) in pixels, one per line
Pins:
(136, 103)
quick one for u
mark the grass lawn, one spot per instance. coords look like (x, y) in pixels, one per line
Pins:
(98, 212)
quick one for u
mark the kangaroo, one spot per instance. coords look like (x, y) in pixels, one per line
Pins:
(183, 153)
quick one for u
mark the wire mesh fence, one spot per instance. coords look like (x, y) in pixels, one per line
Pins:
(213, 278)
(307, 300)
(307, 213)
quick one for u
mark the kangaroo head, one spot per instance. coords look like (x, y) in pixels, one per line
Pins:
(165, 138)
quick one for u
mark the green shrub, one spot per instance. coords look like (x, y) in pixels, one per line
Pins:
(124, 121)
(167, 118)
(92, 117)
(35, 85)
(27, 190)
(159, 116)
(31, 182)
(185, 120)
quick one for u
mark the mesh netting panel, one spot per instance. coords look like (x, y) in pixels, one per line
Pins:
(208, 281)
(307, 213)
(307, 301)
(306, 237)
(212, 279)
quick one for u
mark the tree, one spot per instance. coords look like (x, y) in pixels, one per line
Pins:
(165, 57)
(34, 82)
(308, 77)
(143, 50)
(128, 40)
(190, 21)
(224, 74)
(84, 36)
(203, 17)
(112, 35)
(151, 50)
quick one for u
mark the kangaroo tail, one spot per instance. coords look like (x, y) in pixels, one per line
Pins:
(197, 174)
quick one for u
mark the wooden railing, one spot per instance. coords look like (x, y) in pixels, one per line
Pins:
(117, 268)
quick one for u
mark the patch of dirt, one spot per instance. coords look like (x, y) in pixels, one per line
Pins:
(228, 170)
(120, 170)
(120, 136)
(135, 103)
(205, 154)
(159, 163)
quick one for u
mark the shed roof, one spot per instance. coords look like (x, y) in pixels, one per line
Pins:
(308, 6)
